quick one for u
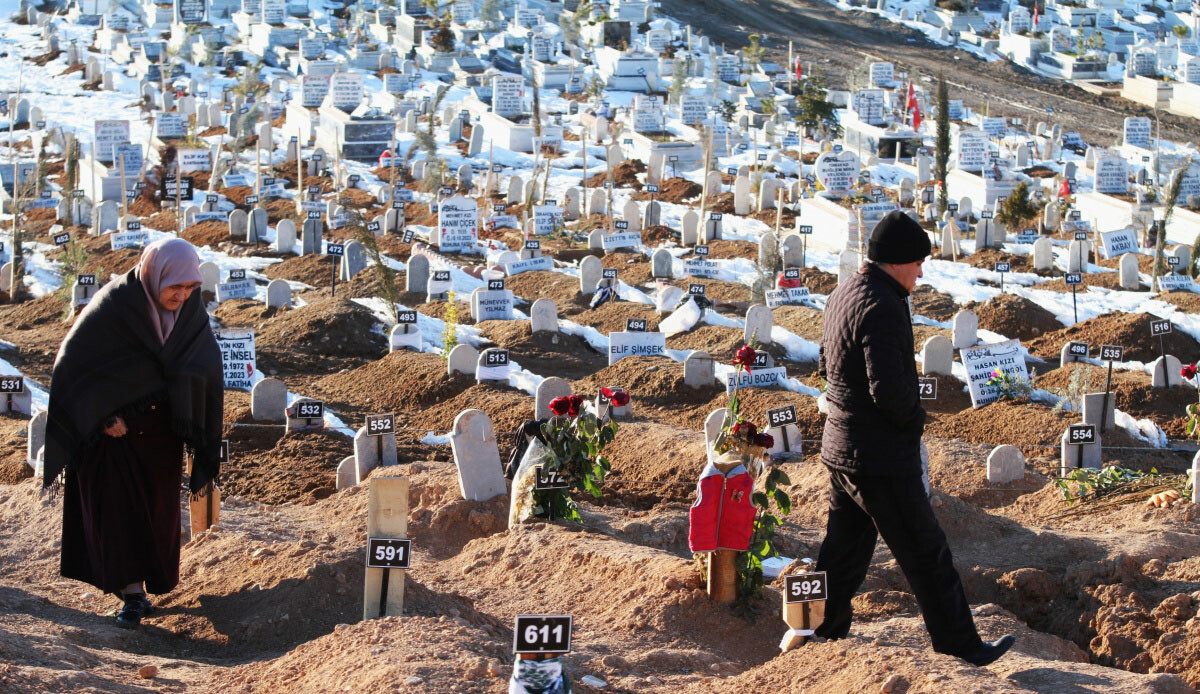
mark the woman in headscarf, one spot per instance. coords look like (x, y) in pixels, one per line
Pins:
(136, 380)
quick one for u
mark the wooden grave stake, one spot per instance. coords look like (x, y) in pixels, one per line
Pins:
(204, 508)
(804, 617)
(387, 517)
(722, 566)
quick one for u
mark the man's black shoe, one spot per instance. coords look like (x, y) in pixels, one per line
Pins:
(989, 653)
(137, 605)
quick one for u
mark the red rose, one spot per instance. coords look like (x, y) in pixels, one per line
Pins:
(766, 440)
(618, 398)
(1188, 371)
(746, 430)
(744, 357)
(574, 402)
(559, 406)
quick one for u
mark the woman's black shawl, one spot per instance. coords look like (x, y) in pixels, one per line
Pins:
(111, 362)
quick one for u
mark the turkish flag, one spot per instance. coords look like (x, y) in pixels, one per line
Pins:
(916, 116)
(1065, 189)
(799, 68)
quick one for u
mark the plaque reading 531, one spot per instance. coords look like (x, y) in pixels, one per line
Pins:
(542, 633)
(805, 587)
(388, 553)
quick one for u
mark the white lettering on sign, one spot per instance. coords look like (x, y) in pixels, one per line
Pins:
(758, 378)
(635, 344)
(237, 357)
(982, 361)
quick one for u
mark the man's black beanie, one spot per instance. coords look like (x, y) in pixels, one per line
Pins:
(898, 239)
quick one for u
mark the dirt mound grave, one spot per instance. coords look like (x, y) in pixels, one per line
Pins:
(618, 592)
(805, 321)
(14, 448)
(718, 291)
(211, 233)
(1014, 317)
(929, 302)
(1164, 406)
(1103, 280)
(657, 388)
(723, 250)
(624, 175)
(562, 289)
(610, 316)
(268, 465)
(559, 354)
(718, 341)
(1129, 330)
(987, 258)
(325, 336)
(397, 382)
(632, 268)
(672, 190)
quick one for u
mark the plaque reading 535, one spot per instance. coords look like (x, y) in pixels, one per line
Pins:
(542, 633)
(805, 587)
(388, 553)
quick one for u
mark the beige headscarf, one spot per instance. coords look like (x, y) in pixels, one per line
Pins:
(163, 264)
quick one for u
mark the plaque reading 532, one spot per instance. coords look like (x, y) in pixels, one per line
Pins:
(380, 424)
(805, 587)
(542, 633)
(310, 410)
(388, 553)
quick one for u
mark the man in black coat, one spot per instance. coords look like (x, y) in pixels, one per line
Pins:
(872, 448)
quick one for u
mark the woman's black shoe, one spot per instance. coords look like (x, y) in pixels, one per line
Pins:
(137, 605)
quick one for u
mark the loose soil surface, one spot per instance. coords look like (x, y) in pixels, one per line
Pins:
(1014, 316)
(1128, 330)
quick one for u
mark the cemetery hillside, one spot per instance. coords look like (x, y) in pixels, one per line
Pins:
(520, 307)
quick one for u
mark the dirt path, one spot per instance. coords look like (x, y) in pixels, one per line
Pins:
(838, 42)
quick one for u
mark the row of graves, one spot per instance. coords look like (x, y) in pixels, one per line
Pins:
(1153, 56)
(335, 120)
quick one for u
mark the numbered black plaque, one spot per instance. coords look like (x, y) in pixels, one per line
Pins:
(808, 587)
(541, 633)
(380, 424)
(388, 553)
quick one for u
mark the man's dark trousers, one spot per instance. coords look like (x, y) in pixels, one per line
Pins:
(899, 508)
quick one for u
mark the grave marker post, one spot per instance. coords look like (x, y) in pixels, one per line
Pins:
(1161, 328)
(1109, 353)
(387, 519)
